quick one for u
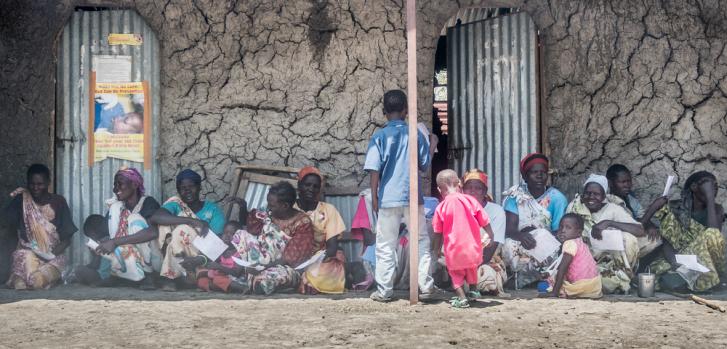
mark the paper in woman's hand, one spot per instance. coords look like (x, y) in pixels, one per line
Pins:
(669, 182)
(545, 245)
(612, 240)
(46, 256)
(210, 245)
(690, 262)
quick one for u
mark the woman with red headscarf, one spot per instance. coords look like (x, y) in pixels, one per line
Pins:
(128, 246)
(531, 207)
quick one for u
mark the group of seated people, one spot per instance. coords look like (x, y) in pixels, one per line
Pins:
(142, 242)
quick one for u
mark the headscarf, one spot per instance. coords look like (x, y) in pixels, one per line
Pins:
(598, 179)
(189, 174)
(134, 177)
(531, 160)
(475, 174)
(308, 170)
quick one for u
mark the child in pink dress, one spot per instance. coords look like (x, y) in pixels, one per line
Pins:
(577, 275)
(457, 220)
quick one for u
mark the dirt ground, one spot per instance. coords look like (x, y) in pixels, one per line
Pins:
(74, 316)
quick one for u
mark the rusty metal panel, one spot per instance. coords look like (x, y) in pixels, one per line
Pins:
(87, 188)
(346, 206)
(492, 87)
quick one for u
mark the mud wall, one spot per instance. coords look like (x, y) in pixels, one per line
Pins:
(299, 82)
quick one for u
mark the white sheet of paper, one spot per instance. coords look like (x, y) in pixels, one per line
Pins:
(669, 182)
(546, 245)
(211, 245)
(46, 256)
(318, 256)
(112, 68)
(92, 244)
(247, 264)
(613, 240)
(690, 262)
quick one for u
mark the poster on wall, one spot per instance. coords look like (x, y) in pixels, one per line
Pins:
(119, 125)
(125, 39)
(112, 68)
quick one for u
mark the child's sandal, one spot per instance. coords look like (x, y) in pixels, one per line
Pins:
(458, 303)
(473, 295)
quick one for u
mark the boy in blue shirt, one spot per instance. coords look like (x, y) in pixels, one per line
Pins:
(387, 162)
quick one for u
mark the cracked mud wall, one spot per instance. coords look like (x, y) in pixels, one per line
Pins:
(299, 82)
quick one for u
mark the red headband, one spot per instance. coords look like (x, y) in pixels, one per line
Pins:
(531, 160)
(308, 170)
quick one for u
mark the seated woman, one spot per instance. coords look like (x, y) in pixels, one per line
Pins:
(617, 267)
(530, 206)
(180, 220)
(276, 242)
(695, 231)
(491, 275)
(128, 232)
(620, 185)
(44, 226)
(328, 276)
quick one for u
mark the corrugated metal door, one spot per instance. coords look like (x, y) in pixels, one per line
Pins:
(492, 84)
(86, 188)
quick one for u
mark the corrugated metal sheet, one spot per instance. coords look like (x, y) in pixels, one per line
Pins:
(492, 87)
(86, 188)
(256, 196)
(469, 15)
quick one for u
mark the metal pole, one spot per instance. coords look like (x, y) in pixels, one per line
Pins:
(413, 225)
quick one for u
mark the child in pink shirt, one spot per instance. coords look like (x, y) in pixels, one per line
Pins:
(577, 275)
(457, 220)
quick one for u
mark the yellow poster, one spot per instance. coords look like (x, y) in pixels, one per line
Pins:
(125, 39)
(120, 121)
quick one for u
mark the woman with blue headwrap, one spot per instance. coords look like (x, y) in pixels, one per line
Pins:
(180, 220)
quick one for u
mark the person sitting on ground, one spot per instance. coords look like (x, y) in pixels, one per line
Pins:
(276, 242)
(223, 275)
(98, 271)
(329, 276)
(458, 220)
(617, 267)
(387, 162)
(44, 226)
(620, 184)
(129, 232)
(529, 206)
(180, 220)
(491, 275)
(577, 275)
(695, 231)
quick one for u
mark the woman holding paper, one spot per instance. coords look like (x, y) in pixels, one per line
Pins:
(329, 275)
(44, 226)
(276, 242)
(180, 220)
(532, 210)
(611, 232)
(695, 232)
(129, 232)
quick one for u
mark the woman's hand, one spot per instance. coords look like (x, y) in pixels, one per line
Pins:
(201, 226)
(526, 239)
(652, 232)
(597, 229)
(106, 247)
(17, 192)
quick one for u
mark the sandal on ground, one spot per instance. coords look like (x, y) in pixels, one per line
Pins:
(473, 295)
(456, 302)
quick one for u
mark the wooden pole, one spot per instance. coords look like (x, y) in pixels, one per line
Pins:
(413, 225)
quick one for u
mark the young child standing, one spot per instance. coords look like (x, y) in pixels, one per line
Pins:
(457, 220)
(577, 275)
(387, 162)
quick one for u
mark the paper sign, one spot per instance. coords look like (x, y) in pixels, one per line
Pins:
(669, 182)
(613, 240)
(545, 245)
(92, 244)
(110, 68)
(210, 245)
(690, 262)
(125, 39)
(319, 256)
